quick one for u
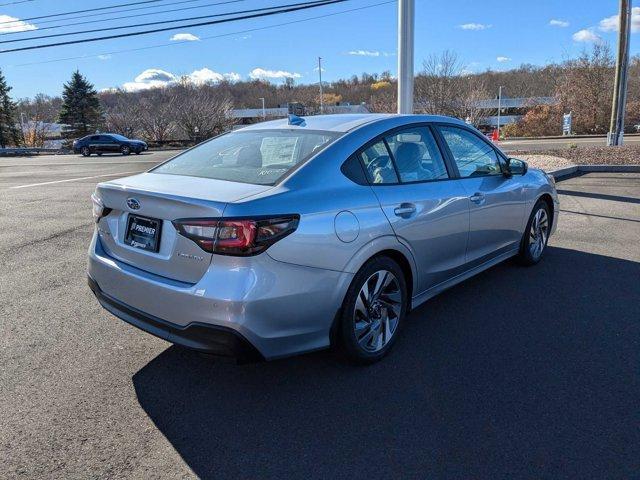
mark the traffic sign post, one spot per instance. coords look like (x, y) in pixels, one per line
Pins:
(567, 119)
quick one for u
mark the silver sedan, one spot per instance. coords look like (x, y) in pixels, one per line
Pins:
(298, 234)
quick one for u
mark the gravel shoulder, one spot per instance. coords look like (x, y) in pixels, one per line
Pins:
(581, 155)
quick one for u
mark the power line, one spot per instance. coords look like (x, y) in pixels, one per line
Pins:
(300, 6)
(210, 37)
(81, 11)
(15, 3)
(127, 16)
(121, 27)
(92, 15)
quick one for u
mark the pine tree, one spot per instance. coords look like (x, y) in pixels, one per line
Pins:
(9, 133)
(81, 112)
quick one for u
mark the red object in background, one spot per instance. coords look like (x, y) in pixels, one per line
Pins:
(495, 136)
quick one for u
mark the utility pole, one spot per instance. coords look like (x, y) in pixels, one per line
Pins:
(264, 110)
(616, 129)
(406, 23)
(499, 108)
(320, 76)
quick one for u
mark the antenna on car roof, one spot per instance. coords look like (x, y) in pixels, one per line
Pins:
(296, 120)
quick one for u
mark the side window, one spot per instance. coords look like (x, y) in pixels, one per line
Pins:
(378, 165)
(94, 138)
(473, 156)
(417, 156)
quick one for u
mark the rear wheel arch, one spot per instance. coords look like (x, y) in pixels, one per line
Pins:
(403, 261)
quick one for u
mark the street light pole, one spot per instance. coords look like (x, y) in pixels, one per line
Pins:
(320, 77)
(499, 108)
(264, 110)
(616, 129)
(406, 22)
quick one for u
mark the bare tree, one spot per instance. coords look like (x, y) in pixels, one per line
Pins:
(444, 87)
(123, 116)
(202, 112)
(586, 89)
(158, 112)
(37, 118)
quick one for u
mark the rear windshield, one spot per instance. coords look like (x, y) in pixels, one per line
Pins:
(256, 156)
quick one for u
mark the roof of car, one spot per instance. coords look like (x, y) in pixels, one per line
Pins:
(345, 122)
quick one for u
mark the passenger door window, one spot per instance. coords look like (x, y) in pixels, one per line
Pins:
(378, 165)
(417, 156)
(473, 156)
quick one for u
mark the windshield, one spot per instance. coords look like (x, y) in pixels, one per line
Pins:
(256, 156)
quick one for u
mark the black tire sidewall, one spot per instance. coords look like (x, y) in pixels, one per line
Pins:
(347, 338)
(525, 254)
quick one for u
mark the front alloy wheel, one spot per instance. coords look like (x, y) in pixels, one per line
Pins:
(373, 310)
(536, 235)
(125, 150)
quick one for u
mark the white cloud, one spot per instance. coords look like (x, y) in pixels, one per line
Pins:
(586, 35)
(364, 53)
(474, 26)
(157, 78)
(611, 24)
(184, 37)
(503, 59)
(262, 74)
(10, 24)
(558, 23)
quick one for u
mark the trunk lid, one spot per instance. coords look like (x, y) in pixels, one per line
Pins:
(165, 198)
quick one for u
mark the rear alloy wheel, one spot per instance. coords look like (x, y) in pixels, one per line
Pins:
(86, 152)
(373, 310)
(536, 235)
(125, 150)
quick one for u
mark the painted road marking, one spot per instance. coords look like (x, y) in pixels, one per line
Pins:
(119, 174)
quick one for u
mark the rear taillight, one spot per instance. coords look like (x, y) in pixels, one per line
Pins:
(99, 210)
(236, 236)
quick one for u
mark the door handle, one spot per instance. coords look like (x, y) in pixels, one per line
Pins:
(405, 210)
(477, 198)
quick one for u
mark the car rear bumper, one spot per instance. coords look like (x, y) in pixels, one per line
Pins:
(278, 309)
(197, 336)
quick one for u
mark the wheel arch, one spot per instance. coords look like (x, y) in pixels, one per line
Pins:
(549, 201)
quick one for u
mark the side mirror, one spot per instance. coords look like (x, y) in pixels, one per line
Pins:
(515, 166)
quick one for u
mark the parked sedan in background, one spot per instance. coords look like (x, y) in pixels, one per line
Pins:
(290, 236)
(108, 143)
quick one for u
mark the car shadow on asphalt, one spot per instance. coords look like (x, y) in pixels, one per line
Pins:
(517, 372)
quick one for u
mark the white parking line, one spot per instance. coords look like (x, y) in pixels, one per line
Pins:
(119, 174)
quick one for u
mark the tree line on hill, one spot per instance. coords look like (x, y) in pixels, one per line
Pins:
(190, 111)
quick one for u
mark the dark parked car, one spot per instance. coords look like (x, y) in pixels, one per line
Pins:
(108, 143)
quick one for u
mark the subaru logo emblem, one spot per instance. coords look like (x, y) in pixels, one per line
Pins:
(133, 204)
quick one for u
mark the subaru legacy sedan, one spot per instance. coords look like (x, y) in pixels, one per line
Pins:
(295, 235)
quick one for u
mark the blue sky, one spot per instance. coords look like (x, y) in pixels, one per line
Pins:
(488, 34)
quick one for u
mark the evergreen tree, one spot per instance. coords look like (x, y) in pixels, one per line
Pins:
(9, 133)
(81, 112)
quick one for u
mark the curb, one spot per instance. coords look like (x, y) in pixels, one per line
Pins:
(569, 172)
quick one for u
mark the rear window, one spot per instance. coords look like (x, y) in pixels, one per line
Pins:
(258, 156)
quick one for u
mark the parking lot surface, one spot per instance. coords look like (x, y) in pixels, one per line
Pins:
(516, 373)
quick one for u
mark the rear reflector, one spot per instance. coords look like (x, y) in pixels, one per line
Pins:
(240, 237)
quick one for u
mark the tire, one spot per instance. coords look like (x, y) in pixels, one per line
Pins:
(100, 154)
(85, 151)
(367, 329)
(137, 152)
(536, 235)
(125, 150)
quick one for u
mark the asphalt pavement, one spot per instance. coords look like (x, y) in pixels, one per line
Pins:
(516, 373)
